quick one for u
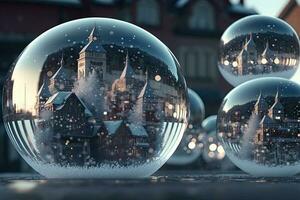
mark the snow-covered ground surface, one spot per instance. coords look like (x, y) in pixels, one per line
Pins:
(163, 185)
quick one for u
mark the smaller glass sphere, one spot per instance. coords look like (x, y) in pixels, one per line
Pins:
(258, 46)
(258, 126)
(210, 123)
(191, 144)
(197, 108)
(212, 150)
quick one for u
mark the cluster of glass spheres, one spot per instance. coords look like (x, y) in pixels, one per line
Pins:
(95, 97)
(258, 121)
(99, 97)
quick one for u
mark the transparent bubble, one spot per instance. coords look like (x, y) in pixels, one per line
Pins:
(258, 46)
(96, 97)
(197, 108)
(213, 150)
(191, 145)
(210, 123)
(258, 125)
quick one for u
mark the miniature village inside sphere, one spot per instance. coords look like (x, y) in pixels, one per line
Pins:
(259, 125)
(258, 46)
(95, 97)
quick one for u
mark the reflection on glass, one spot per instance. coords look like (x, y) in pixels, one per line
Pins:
(259, 124)
(258, 46)
(191, 145)
(95, 97)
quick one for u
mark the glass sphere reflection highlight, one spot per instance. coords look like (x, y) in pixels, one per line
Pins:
(191, 145)
(197, 108)
(95, 97)
(258, 125)
(258, 46)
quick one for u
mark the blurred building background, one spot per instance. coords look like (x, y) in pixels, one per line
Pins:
(190, 28)
(291, 14)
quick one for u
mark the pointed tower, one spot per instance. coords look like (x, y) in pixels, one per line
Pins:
(250, 44)
(261, 107)
(63, 79)
(127, 79)
(149, 102)
(251, 58)
(276, 112)
(247, 57)
(92, 57)
(242, 62)
(127, 71)
(267, 53)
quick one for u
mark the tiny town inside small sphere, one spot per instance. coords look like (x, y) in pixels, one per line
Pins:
(258, 46)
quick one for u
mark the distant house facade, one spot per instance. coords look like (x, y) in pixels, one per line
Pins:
(291, 14)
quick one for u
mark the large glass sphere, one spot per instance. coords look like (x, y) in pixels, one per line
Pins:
(191, 145)
(258, 46)
(96, 97)
(259, 126)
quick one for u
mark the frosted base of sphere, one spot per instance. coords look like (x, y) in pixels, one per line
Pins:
(264, 171)
(101, 171)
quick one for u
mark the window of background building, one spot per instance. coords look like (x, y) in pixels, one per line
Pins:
(148, 12)
(198, 62)
(203, 16)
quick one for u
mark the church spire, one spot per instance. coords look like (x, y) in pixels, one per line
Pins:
(127, 71)
(277, 96)
(62, 60)
(250, 45)
(266, 53)
(147, 91)
(93, 35)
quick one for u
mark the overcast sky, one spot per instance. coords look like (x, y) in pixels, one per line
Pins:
(266, 7)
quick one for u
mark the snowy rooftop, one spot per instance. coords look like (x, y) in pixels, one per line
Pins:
(59, 98)
(136, 130)
(44, 91)
(112, 126)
